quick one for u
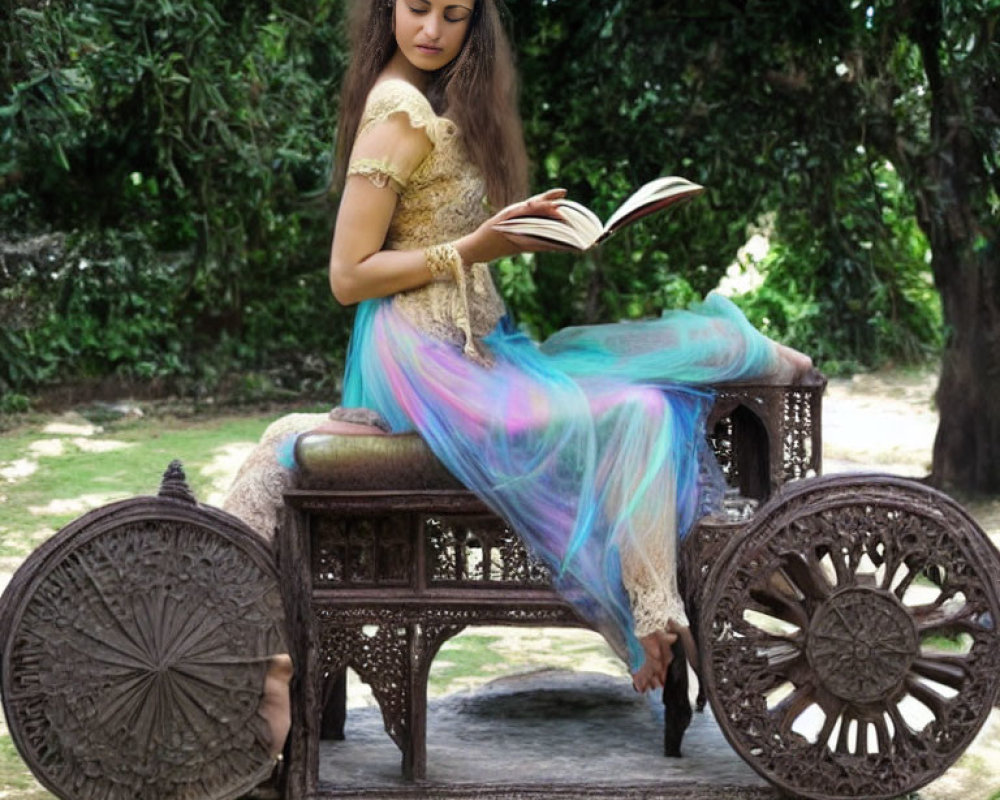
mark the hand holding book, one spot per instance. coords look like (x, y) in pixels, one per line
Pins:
(580, 228)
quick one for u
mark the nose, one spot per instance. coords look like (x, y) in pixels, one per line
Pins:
(432, 26)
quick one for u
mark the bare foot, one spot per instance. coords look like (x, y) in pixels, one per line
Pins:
(793, 366)
(657, 645)
(275, 706)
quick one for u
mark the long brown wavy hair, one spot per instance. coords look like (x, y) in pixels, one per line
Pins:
(477, 91)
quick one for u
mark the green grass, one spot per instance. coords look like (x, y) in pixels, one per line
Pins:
(64, 486)
(15, 780)
(470, 654)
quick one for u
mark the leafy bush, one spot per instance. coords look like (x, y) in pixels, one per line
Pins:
(179, 151)
(177, 144)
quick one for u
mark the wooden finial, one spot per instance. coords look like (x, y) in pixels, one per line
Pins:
(174, 484)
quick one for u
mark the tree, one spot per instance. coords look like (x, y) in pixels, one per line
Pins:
(940, 61)
(846, 120)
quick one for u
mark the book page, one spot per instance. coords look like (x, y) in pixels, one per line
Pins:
(651, 197)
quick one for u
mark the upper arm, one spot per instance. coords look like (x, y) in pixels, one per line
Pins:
(384, 157)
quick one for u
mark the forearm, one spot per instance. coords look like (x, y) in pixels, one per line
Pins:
(387, 272)
(381, 274)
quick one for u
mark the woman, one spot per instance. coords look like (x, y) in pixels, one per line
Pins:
(591, 445)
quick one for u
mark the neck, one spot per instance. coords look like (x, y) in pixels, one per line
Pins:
(399, 67)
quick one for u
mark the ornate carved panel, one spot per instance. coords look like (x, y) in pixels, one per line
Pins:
(799, 460)
(361, 551)
(478, 550)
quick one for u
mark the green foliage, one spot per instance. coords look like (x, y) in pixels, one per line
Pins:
(858, 290)
(182, 148)
(178, 143)
(13, 403)
(747, 100)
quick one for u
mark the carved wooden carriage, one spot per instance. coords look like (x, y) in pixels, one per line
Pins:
(846, 626)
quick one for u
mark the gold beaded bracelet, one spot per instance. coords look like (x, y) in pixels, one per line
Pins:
(444, 262)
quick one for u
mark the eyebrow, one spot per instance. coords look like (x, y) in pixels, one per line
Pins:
(450, 5)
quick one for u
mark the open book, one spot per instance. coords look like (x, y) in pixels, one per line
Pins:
(580, 227)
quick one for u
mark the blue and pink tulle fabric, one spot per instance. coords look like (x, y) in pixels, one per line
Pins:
(592, 444)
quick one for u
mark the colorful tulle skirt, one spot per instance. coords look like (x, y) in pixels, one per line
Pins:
(591, 445)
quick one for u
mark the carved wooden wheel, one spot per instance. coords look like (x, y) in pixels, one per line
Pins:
(135, 644)
(849, 637)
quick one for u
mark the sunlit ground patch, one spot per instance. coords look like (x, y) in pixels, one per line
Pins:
(47, 447)
(75, 505)
(100, 445)
(16, 470)
(72, 428)
(222, 467)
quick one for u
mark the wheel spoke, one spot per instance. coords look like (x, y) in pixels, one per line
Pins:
(792, 707)
(947, 670)
(832, 711)
(783, 666)
(805, 573)
(845, 726)
(861, 738)
(775, 605)
(904, 585)
(935, 702)
(882, 735)
(931, 619)
(904, 733)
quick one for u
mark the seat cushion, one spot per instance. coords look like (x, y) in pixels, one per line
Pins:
(342, 455)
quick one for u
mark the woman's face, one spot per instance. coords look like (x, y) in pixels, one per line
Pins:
(430, 33)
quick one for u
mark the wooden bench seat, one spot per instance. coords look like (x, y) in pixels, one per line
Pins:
(383, 557)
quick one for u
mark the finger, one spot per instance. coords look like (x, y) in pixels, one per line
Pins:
(551, 194)
(542, 208)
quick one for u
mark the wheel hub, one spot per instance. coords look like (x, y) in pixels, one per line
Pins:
(861, 644)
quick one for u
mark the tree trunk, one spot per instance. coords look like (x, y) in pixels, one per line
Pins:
(953, 191)
(967, 445)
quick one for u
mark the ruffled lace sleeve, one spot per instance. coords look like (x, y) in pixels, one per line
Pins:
(395, 97)
(380, 154)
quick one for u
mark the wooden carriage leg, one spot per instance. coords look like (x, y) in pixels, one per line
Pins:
(425, 639)
(676, 703)
(415, 746)
(331, 727)
(302, 749)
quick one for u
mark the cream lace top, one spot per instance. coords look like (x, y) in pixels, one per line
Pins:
(442, 199)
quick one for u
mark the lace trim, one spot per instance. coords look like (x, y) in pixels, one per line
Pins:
(654, 606)
(443, 261)
(649, 574)
(379, 171)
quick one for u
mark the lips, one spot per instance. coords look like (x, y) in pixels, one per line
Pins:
(429, 50)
